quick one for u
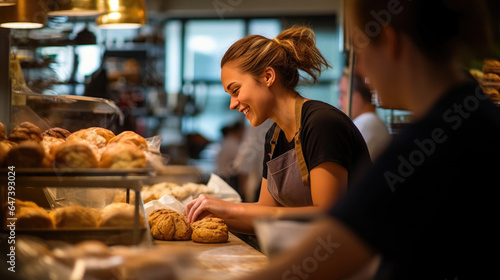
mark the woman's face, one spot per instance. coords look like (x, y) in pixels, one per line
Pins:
(248, 95)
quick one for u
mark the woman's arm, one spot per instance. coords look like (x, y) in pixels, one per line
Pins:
(330, 251)
(328, 182)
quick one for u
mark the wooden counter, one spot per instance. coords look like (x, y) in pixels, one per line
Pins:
(229, 260)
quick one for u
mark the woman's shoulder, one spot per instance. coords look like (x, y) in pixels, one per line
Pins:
(319, 113)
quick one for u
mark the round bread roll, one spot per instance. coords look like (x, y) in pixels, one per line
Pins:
(96, 136)
(27, 154)
(56, 132)
(123, 156)
(210, 230)
(51, 144)
(75, 217)
(131, 136)
(119, 215)
(2, 132)
(33, 217)
(75, 155)
(166, 224)
(26, 131)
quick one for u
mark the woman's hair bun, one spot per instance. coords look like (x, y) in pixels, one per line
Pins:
(292, 50)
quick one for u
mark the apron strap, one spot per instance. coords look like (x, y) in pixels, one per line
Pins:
(299, 101)
(298, 147)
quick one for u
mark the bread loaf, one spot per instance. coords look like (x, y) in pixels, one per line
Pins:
(27, 154)
(166, 224)
(26, 131)
(56, 132)
(75, 155)
(122, 156)
(119, 215)
(210, 230)
(132, 137)
(75, 217)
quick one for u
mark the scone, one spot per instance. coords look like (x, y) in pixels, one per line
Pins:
(210, 230)
(26, 131)
(166, 224)
(75, 217)
(57, 132)
(130, 136)
(75, 155)
(122, 156)
(27, 154)
(119, 215)
(50, 145)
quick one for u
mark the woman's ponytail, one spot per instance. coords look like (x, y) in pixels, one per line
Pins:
(292, 50)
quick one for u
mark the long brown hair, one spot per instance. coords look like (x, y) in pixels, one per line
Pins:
(293, 49)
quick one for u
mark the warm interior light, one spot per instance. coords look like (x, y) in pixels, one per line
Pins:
(7, 3)
(27, 14)
(123, 14)
(76, 8)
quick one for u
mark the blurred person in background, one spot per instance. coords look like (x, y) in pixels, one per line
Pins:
(231, 139)
(249, 158)
(363, 114)
(429, 203)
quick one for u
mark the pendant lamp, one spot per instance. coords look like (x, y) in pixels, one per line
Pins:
(123, 14)
(76, 8)
(27, 14)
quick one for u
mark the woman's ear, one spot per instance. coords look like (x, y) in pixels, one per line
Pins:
(269, 76)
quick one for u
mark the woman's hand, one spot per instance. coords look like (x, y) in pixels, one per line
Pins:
(205, 206)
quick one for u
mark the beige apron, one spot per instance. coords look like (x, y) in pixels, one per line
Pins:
(288, 177)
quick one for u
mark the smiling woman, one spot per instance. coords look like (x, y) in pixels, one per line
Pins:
(313, 150)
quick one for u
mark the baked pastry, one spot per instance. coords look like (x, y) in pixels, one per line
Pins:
(122, 156)
(57, 132)
(75, 155)
(2, 132)
(119, 215)
(491, 66)
(166, 224)
(4, 150)
(33, 217)
(75, 217)
(130, 136)
(210, 230)
(26, 131)
(51, 144)
(27, 154)
(29, 215)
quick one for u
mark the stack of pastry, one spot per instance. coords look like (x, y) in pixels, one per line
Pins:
(489, 78)
(27, 147)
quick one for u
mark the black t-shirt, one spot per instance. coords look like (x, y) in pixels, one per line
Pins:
(428, 205)
(327, 135)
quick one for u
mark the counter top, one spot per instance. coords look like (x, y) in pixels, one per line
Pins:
(229, 260)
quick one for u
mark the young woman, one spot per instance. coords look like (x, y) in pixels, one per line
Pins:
(429, 203)
(313, 149)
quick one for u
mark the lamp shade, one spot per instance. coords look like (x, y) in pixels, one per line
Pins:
(76, 8)
(26, 14)
(123, 14)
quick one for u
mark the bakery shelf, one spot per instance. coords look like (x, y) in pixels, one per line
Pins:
(129, 179)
